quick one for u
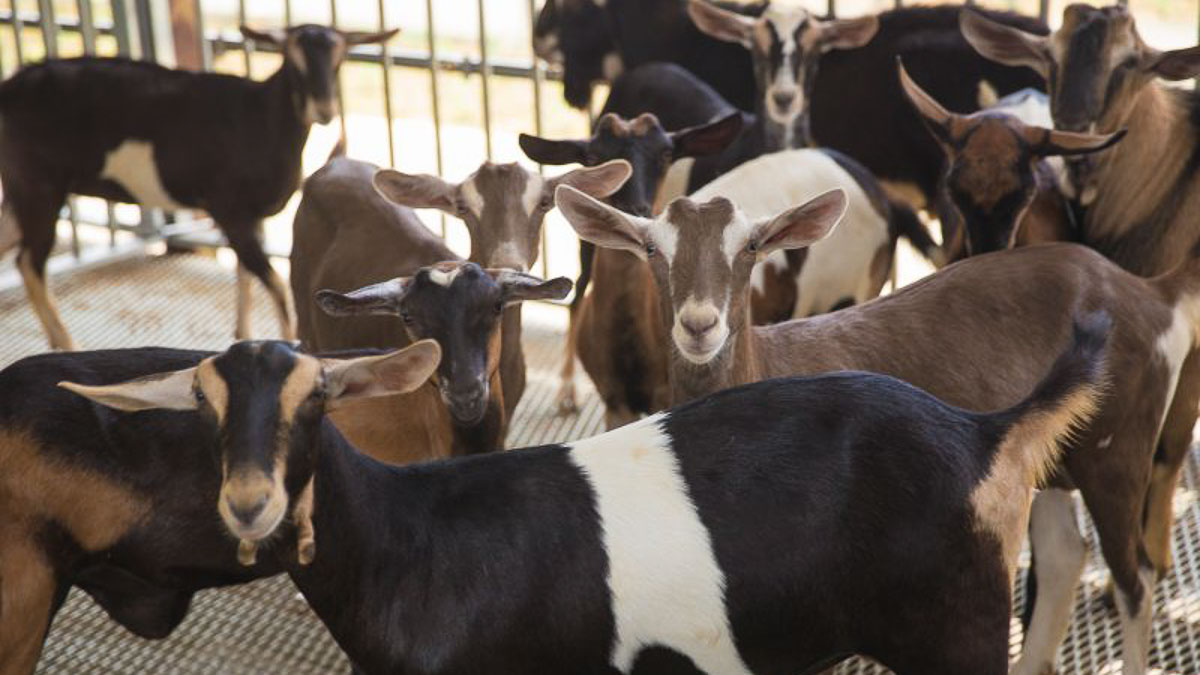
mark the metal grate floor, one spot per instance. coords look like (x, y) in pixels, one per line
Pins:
(187, 301)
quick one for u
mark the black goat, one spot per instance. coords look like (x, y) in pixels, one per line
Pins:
(136, 132)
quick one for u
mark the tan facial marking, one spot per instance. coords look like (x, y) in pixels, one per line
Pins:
(37, 485)
(300, 383)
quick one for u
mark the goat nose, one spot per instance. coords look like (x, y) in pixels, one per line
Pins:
(697, 326)
(783, 99)
(246, 513)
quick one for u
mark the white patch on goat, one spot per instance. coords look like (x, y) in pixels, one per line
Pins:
(1173, 347)
(132, 166)
(987, 95)
(665, 584)
(785, 21)
(532, 196)
(444, 277)
(664, 235)
(1061, 552)
(838, 266)
(471, 197)
(1135, 625)
(1104, 442)
(675, 183)
(736, 235)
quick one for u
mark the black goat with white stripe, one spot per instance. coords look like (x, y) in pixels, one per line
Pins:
(771, 528)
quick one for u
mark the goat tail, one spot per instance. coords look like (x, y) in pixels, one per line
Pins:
(904, 222)
(1062, 403)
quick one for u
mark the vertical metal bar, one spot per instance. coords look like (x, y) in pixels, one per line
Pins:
(1044, 10)
(120, 15)
(49, 27)
(18, 27)
(87, 26)
(333, 21)
(247, 45)
(433, 86)
(537, 123)
(899, 4)
(831, 8)
(287, 13)
(483, 74)
(145, 30)
(386, 63)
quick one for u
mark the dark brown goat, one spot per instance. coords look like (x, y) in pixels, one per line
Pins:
(136, 132)
(998, 191)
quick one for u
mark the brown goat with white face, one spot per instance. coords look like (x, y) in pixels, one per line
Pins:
(976, 334)
(1142, 197)
(997, 190)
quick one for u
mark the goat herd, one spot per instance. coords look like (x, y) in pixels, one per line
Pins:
(759, 526)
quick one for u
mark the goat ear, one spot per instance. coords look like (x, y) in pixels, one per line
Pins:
(1004, 44)
(600, 223)
(518, 287)
(802, 225)
(937, 119)
(1177, 64)
(169, 391)
(554, 153)
(383, 298)
(848, 33)
(419, 191)
(722, 24)
(597, 181)
(354, 37)
(1047, 142)
(707, 139)
(275, 37)
(397, 372)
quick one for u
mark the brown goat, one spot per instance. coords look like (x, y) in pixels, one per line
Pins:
(946, 334)
(998, 191)
(1141, 199)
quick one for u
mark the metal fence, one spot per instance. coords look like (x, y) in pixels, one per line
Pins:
(131, 26)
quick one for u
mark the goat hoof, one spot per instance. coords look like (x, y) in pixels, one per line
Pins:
(247, 552)
(306, 552)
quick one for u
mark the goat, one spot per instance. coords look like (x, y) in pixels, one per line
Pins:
(1140, 199)
(998, 190)
(948, 333)
(596, 42)
(461, 307)
(745, 494)
(348, 234)
(613, 327)
(120, 505)
(868, 122)
(137, 132)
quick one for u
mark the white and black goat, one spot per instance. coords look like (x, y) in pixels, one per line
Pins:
(765, 529)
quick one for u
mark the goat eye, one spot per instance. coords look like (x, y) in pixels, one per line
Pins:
(651, 249)
(199, 394)
(547, 202)
(752, 247)
(406, 317)
(499, 307)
